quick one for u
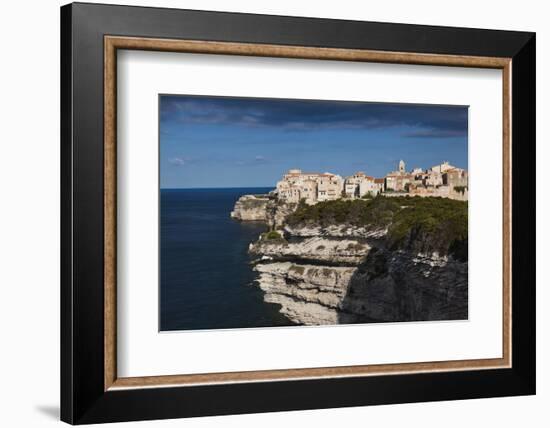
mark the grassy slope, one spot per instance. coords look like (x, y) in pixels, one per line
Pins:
(417, 224)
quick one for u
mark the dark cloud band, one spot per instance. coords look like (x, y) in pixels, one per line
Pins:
(424, 121)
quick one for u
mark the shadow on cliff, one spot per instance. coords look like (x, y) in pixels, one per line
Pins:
(398, 286)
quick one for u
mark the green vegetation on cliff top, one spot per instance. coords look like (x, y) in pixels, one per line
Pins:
(414, 223)
(271, 236)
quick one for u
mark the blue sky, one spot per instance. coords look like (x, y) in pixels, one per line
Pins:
(250, 142)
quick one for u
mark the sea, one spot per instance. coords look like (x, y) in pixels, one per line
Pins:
(206, 280)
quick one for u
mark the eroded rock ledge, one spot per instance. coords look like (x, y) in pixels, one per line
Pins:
(319, 249)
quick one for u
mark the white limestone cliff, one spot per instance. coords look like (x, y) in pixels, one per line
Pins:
(341, 273)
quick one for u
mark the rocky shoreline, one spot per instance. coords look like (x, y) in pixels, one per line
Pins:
(343, 273)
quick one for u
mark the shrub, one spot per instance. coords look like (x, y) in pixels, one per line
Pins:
(272, 235)
(431, 224)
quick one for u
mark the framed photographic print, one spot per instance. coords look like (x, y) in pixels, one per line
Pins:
(265, 213)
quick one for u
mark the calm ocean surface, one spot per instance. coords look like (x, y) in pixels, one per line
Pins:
(206, 281)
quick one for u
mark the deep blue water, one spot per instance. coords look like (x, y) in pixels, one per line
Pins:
(206, 281)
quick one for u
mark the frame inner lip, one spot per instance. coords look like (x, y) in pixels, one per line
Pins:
(112, 43)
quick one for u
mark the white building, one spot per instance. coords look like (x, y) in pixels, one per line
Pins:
(443, 180)
(309, 186)
(360, 184)
(369, 187)
(441, 168)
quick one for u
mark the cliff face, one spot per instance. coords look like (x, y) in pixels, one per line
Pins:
(308, 294)
(401, 286)
(352, 273)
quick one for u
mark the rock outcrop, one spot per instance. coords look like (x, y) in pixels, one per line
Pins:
(251, 208)
(266, 208)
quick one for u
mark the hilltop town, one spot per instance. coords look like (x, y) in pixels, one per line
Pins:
(443, 180)
(332, 253)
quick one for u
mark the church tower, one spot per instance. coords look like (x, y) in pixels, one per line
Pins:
(401, 167)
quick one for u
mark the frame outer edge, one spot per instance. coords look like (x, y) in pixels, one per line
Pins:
(507, 180)
(82, 25)
(66, 210)
(523, 219)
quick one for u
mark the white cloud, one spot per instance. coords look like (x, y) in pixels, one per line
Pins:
(178, 161)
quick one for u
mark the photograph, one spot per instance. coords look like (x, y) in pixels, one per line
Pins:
(260, 211)
(289, 212)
